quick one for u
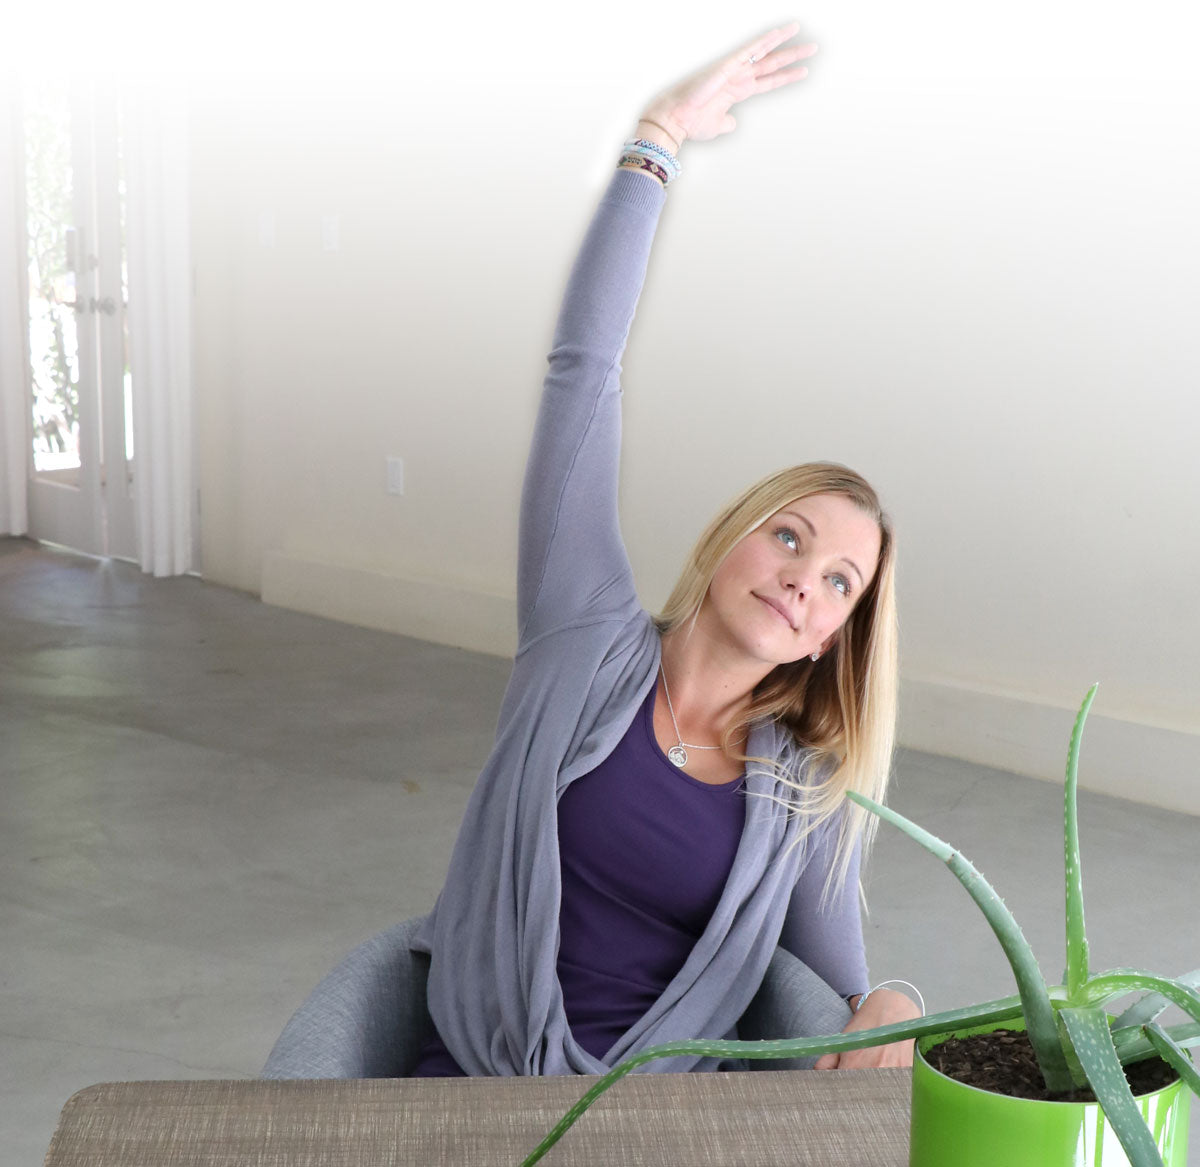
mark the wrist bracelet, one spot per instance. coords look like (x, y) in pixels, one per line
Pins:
(659, 151)
(659, 126)
(863, 999)
(656, 153)
(644, 163)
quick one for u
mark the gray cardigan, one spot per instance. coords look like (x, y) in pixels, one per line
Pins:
(587, 656)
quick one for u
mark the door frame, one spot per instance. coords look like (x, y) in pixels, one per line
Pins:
(89, 510)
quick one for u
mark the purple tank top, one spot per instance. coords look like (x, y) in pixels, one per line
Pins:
(645, 852)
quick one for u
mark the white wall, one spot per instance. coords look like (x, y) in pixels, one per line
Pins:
(962, 257)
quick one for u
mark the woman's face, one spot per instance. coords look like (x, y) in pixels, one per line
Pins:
(787, 587)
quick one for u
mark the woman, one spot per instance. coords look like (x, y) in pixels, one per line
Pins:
(664, 802)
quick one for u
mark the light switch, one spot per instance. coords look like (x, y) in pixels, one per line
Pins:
(395, 475)
(331, 232)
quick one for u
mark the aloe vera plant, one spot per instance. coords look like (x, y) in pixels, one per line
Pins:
(1073, 1035)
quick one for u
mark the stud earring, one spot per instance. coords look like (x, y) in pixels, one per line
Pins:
(815, 656)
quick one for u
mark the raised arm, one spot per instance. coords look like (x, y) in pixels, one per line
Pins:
(572, 561)
(571, 556)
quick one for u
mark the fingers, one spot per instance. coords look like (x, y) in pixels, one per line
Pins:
(757, 51)
(826, 1062)
(783, 58)
(699, 105)
(770, 68)
(778, 80)
(774, 72)
(761, 46)
(897, 1054)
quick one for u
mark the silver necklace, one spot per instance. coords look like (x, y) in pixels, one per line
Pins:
(678, 754)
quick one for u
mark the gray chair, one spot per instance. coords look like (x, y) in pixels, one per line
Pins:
(368, 1018)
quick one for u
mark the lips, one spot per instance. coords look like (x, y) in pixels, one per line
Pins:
(777, 607)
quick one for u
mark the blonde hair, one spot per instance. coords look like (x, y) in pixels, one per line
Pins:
(842, 707)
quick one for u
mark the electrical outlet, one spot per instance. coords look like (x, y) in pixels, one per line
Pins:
(395, 475)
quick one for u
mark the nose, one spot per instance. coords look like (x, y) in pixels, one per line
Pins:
(798, 579)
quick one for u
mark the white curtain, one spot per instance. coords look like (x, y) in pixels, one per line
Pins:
(155, 119)
(14, 436)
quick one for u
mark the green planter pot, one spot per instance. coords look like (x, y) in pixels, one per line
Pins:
(962, 1126)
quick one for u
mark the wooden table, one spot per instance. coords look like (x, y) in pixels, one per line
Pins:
(755, 1119)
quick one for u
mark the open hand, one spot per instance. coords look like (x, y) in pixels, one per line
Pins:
(882, 1007)
(698, 107)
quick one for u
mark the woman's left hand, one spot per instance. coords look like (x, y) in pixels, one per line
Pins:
(882, 1007)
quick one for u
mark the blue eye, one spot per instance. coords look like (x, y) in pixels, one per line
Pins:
(842, 584)
(787, 537)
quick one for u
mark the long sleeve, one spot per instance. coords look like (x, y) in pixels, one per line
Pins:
(587, 657)
(572, 560)
(830, 939)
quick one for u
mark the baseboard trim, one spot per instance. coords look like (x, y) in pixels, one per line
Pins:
(426, 609)
(1143, 763)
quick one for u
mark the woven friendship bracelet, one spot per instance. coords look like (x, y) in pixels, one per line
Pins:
(644, 163)
(658, 151)
(655, 153)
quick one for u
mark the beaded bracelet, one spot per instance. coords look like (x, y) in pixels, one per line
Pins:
(653, 149)
(661, 151)
(644, 163)
(655, 153)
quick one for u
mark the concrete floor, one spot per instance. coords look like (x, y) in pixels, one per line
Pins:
(207, 802)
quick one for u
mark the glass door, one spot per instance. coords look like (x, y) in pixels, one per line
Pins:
(80, 463)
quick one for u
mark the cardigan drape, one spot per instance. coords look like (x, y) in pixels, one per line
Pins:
(587, 657)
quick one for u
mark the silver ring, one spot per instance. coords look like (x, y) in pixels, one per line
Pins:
(752, 59)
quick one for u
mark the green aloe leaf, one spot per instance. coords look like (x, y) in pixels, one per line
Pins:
(1118, 981)
(1133, 1045)
(1092, 1041)
(1004, 1009)
(1150, 1007)
(1077, 946)
(1035, 997)
(1171, 1053)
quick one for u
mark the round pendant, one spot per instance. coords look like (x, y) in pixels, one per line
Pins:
(678, 755)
